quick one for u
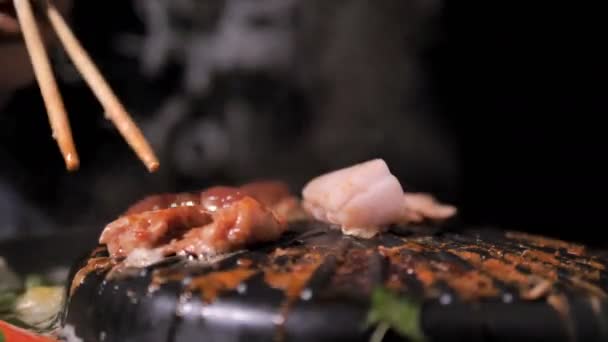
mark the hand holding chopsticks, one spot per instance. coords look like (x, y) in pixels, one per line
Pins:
(92, 76)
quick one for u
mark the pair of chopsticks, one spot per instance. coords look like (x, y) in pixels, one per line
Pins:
(60, 125)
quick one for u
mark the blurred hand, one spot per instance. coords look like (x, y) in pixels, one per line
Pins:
(15, 68)
(8, 23)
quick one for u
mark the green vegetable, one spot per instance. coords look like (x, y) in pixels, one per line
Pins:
(7, 301)
(39, 306)
(9, 281)
(379, 333)
(401, 314)
(2, 339)
(32, 304)
(33, 280)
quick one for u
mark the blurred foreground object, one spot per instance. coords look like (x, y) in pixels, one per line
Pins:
(16, 71)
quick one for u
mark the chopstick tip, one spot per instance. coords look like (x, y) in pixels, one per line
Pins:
(72, 162)
(153, 166)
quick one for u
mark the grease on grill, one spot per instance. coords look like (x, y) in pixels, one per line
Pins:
(93, 265)
(213, 284)
(292, 277)
(541, 241)
(471, 267)
(98, 262)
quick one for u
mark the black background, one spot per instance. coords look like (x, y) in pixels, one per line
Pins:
(523, 87)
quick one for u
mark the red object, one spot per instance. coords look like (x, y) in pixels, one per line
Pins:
(11, 333)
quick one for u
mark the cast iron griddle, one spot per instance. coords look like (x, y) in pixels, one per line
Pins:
(315, 284)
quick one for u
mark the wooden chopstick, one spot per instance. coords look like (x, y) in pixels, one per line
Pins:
(46, 81)
(89, 71)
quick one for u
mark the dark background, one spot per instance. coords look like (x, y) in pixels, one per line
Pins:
(493, 107)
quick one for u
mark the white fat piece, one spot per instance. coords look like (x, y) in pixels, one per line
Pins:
(141, 257)
(362, 199)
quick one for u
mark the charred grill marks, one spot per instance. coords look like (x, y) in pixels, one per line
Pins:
(323, 265)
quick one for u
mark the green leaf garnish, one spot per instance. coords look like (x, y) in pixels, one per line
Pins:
(401, 314)
(7, 301)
